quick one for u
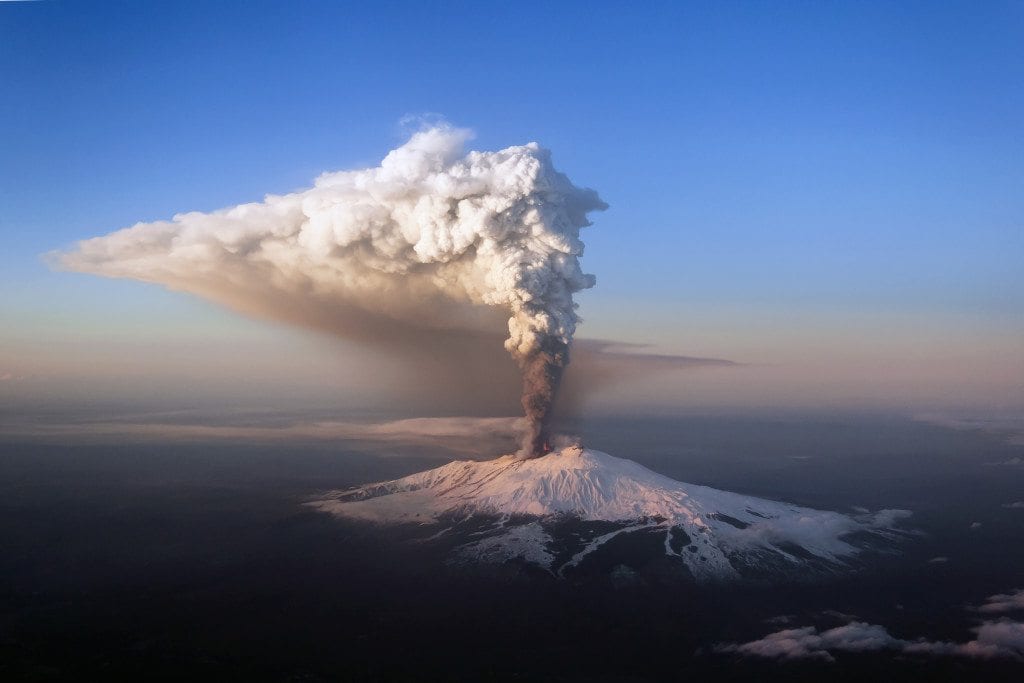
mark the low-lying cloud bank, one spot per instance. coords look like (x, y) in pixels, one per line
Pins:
(993, 639)
(1009, 429)
(1004, 602)
(472, 435)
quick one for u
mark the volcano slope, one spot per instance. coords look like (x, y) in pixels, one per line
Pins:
(577, 510)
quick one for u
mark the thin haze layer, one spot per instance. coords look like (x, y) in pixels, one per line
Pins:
(432, 239)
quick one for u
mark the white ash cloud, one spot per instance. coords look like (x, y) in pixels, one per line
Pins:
(432, 239)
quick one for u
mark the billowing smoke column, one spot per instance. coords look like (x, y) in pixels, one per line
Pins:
(430, 239)
(542, 373)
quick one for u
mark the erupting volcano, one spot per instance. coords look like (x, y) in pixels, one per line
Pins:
(435, 240)
(572, 509)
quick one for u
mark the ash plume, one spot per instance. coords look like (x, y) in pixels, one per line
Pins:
(542, 375)
(432, 241)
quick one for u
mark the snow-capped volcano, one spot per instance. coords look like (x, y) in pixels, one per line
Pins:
(558, 510)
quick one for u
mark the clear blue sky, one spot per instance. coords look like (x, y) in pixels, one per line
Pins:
(791, 158)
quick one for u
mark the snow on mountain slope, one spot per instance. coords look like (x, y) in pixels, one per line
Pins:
(716, 534)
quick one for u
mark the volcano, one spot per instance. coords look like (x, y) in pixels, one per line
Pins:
(576, 508)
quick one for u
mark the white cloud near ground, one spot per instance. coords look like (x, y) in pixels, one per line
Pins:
(993, 639)
(1004, 602)
(810, 643)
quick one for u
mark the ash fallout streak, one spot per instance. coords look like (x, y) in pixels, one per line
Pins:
(432, 240)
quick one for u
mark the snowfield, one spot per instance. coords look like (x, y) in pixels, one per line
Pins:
(715, 534)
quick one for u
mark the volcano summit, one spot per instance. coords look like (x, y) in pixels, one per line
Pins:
(577, 507)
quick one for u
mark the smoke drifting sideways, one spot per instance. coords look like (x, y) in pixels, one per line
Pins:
(428, 245)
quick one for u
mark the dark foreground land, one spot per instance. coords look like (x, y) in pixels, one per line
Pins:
(184, 561)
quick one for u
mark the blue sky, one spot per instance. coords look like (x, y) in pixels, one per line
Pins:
(784, 170)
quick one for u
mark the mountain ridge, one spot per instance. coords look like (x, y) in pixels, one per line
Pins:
(715, 534)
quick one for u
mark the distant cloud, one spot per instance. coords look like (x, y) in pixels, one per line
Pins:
(482, 436)
(889, 517)
(1017, 505)
(1004, 602)
(938, 560)
(993, 639)
(976, 525)
(809, 643)
(1011, 462)
(780, 620)
(839, 616)
(1006, 428)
